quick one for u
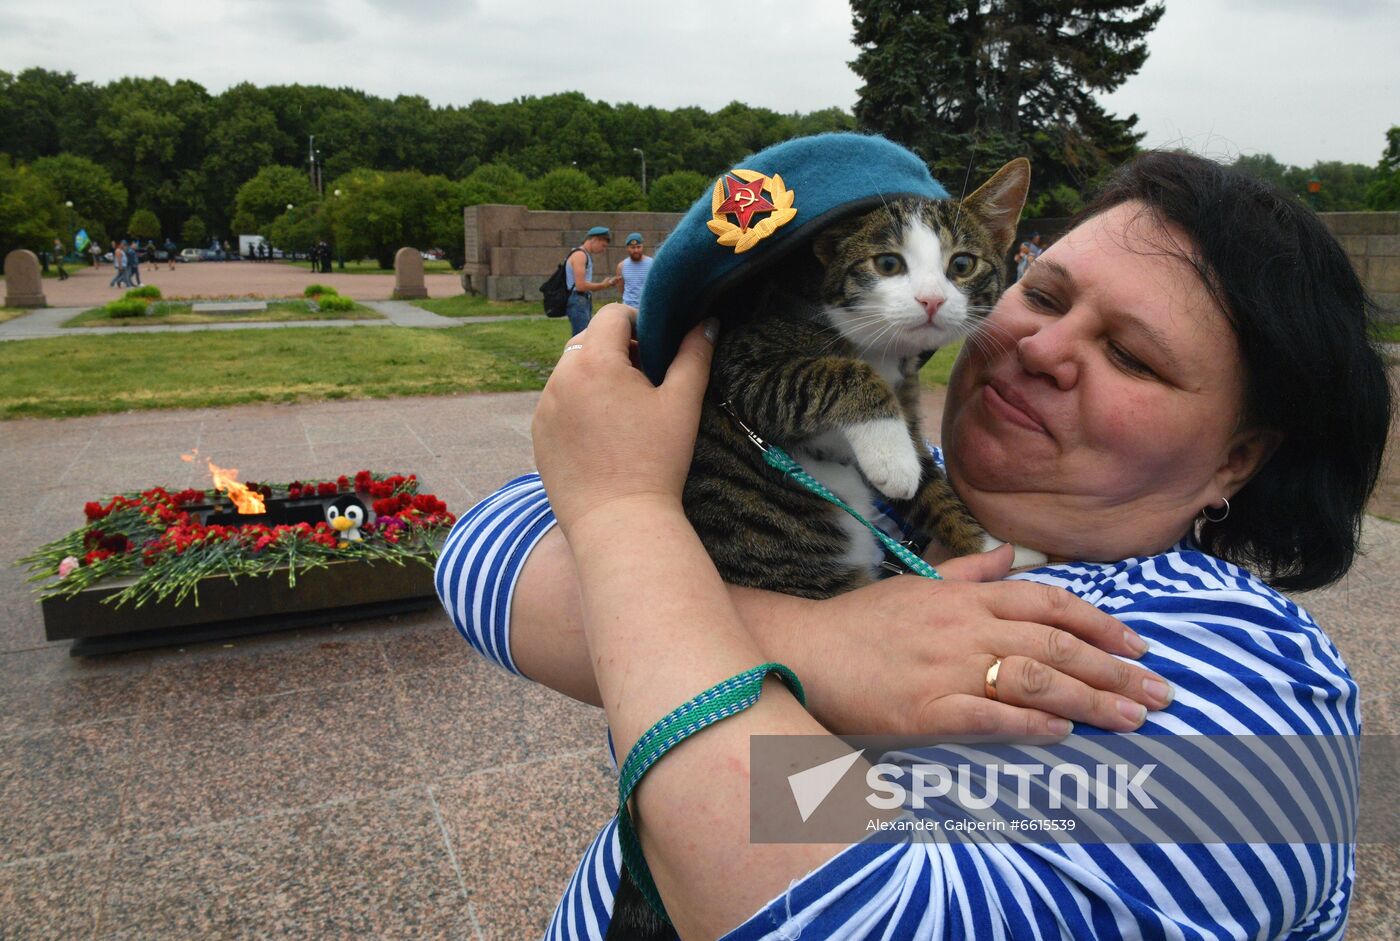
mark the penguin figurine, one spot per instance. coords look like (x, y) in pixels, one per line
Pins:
(346, 514)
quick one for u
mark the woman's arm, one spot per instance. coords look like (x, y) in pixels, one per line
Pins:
(659, 622)
(507, 576)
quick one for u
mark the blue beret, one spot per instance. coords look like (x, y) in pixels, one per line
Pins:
(602, 230)
(634, 237)
(757, 212)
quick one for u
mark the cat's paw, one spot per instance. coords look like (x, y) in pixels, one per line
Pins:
(886, 456)
(1023, 559)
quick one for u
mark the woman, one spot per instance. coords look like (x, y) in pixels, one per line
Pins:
(1167, 410)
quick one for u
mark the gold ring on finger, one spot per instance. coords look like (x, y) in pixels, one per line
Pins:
(989, 684)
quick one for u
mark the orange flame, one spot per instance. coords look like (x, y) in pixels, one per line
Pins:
(226, 479)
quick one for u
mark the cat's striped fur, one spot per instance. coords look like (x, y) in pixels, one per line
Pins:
(812, 366)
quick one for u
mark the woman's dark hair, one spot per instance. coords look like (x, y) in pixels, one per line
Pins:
(1312, 372)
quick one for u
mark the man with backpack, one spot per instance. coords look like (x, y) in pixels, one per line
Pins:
(578, 277)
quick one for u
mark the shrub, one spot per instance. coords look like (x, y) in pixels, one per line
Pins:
(145, 290)
(318, 290)
(126, 307)
(335, 302)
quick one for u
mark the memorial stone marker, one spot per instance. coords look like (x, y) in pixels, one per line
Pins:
(408, 275)
(25, 288)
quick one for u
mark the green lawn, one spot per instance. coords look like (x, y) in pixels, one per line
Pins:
(474, 305)
(935, 371)
(1386, 332)
(67, 376)
(370, 266)
(182, 313)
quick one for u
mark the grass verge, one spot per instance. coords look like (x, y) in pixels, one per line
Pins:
(70, 376)
(1386, 332)
(10, 313)
(182, 313)
(474, 305)
(370, 266)
(935, 371)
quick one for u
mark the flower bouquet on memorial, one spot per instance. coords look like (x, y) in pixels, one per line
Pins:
(162, 544)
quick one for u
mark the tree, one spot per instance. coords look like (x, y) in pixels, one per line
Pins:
(98, 200)
(298, 228)
(567, 189)
(194, 232)
(495, 183)
(1265, 168)
(621, 194)
(29, 216)
(1384, 191)
(143, 225)
(970, 84)
(379, 213)
(674, 192)
(265, 196)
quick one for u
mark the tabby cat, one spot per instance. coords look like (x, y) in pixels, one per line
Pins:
(823, 360)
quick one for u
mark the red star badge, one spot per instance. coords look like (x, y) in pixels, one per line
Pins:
(745, 199)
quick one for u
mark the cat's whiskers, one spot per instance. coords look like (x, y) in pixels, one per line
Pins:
(991, 339)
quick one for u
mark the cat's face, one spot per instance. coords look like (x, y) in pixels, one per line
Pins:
(916, 274)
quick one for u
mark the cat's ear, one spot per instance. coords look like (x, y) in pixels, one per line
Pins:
(824, 245)
(999, 201)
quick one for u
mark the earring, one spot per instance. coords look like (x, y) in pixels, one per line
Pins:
(1205, 512)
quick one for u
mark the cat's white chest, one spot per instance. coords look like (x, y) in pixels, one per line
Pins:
(844, 480)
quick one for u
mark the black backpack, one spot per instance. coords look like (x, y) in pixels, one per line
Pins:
(556, 289)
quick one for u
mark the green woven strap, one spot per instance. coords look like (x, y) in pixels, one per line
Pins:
(720, 701)
(778, 459)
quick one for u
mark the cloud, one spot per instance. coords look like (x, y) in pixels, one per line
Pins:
(306, 21)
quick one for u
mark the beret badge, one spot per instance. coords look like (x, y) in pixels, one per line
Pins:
(739, 196)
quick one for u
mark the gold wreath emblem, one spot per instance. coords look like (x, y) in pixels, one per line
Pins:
(743, 239)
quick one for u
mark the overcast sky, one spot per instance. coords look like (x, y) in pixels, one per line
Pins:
(1304, 80)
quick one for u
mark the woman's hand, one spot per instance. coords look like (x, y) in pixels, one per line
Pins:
(603, 432)
(910, 656)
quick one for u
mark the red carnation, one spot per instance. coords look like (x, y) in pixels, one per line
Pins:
(343, 483)
(94, 511)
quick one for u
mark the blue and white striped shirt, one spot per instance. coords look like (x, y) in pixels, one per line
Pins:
(1243, 660)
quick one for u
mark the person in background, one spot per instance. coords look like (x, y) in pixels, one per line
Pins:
(133, 263)
(122, 278)
(633, 269)
(578, 275)
(58, 259)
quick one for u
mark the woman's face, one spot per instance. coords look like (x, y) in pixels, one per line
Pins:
(1102, 409)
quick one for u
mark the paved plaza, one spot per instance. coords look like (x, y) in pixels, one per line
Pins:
(219, 279)
(371, 779)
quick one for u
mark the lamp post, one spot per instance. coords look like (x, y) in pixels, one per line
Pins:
(291, 220)
(314, 159)
(72, 224)
(339, 255)
(642, 153)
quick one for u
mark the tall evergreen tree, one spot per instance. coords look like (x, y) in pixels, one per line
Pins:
(970, 83)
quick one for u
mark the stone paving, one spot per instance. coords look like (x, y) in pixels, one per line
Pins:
(368, 779)
(371, 779)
